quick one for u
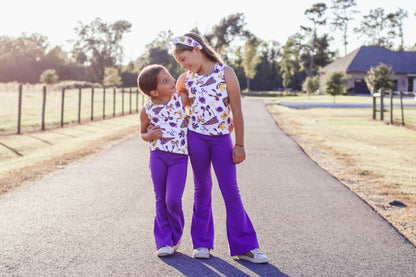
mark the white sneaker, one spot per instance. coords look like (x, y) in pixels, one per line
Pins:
(254, 256)
(201, 253)
(166, 250)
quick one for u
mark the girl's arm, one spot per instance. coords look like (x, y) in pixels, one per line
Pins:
(152, 133)
(233, 89)
(181, 88)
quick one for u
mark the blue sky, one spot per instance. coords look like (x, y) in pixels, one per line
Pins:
(268, 20)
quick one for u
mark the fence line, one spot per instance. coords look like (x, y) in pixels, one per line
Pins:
(65, 107)
(381, 95)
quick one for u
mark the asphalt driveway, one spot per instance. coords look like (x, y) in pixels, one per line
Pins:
(95, 218)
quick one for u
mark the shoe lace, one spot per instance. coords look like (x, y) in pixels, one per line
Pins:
(256, 252)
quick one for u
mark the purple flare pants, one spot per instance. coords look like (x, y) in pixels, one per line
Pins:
(204, 150)
(168, 171)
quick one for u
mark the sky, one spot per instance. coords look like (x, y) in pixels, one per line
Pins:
(267, 19)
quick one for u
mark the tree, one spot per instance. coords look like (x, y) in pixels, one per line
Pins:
(251, 59)
(268, 76)
(373, 26)
(159, 51)
(49, 77)
(99, 45)
(228, 30)
(336, 84)
(111, 77)
(22, 58)
(323, 55)
(290, 62)
(395, 22)
(343, 14)
(287, 65)
(315, 14)
(311, 84)
(379, 77)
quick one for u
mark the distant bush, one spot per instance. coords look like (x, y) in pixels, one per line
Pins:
(336, 84)
(311, 84)
(77, 84)
(379, 77)
(49, 77)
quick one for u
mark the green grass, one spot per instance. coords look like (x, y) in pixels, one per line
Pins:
(372, 146)
(31, 117)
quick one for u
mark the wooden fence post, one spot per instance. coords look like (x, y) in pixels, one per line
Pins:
(401, 106)
(19, 109)
(130, 99)
(137, 100)
(382, 104)
(104, 103)
(62, 106)
(391, 107)
(374, 104)
(43, 107)
(114, 101)
(122, 101)
(92, 104)
(79, 105)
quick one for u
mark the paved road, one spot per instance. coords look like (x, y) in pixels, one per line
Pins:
(96, 218)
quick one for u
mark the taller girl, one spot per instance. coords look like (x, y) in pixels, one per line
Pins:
(214, 94)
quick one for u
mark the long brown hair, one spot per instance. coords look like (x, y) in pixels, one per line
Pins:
(206, 49)
(147, 79)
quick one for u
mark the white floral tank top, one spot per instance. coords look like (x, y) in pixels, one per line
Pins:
(210, 112)
(173, 121)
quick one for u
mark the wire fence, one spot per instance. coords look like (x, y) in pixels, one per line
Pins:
(22, 111)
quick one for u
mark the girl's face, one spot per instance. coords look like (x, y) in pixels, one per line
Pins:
(165, 83)
(189, 60)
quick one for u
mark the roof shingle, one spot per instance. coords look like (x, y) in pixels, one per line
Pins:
(365, 57)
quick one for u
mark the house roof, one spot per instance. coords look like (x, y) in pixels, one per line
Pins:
(363, 58)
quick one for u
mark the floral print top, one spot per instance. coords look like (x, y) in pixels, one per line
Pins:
(173, 121)
(210, 112)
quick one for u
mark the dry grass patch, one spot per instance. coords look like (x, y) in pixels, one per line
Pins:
(372, 158)
(25, 158)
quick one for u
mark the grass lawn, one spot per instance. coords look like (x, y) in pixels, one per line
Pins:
(27, 157)
(32, 107)
(374, 159)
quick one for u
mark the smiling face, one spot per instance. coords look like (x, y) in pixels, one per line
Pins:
(165, 84)
(189, 60)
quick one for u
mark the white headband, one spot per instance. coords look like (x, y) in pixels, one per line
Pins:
(188, 41)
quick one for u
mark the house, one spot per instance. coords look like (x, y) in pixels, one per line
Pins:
(357, 63)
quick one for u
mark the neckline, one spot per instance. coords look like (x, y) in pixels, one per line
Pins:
(209, 73)
(163, 104)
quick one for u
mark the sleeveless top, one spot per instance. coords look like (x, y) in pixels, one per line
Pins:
(173, 121)
(210, 112)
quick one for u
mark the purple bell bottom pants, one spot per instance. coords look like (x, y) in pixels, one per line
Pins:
(168, 171)
(204, 150)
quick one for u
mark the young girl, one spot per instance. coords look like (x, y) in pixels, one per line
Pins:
(168, 153)
(214, 94)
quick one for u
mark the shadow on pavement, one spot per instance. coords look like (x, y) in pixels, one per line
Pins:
(215, 266)
(262, 269)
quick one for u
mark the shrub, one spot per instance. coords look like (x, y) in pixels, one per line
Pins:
(379, 77)
(336, 84)
(49, 77)
(311, 84)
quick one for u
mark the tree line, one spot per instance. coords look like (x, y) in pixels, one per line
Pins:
(96, 55)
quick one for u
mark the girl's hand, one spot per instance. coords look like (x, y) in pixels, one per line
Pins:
(154, 132)
(150, 127)
(231, 127)
(239, 154)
